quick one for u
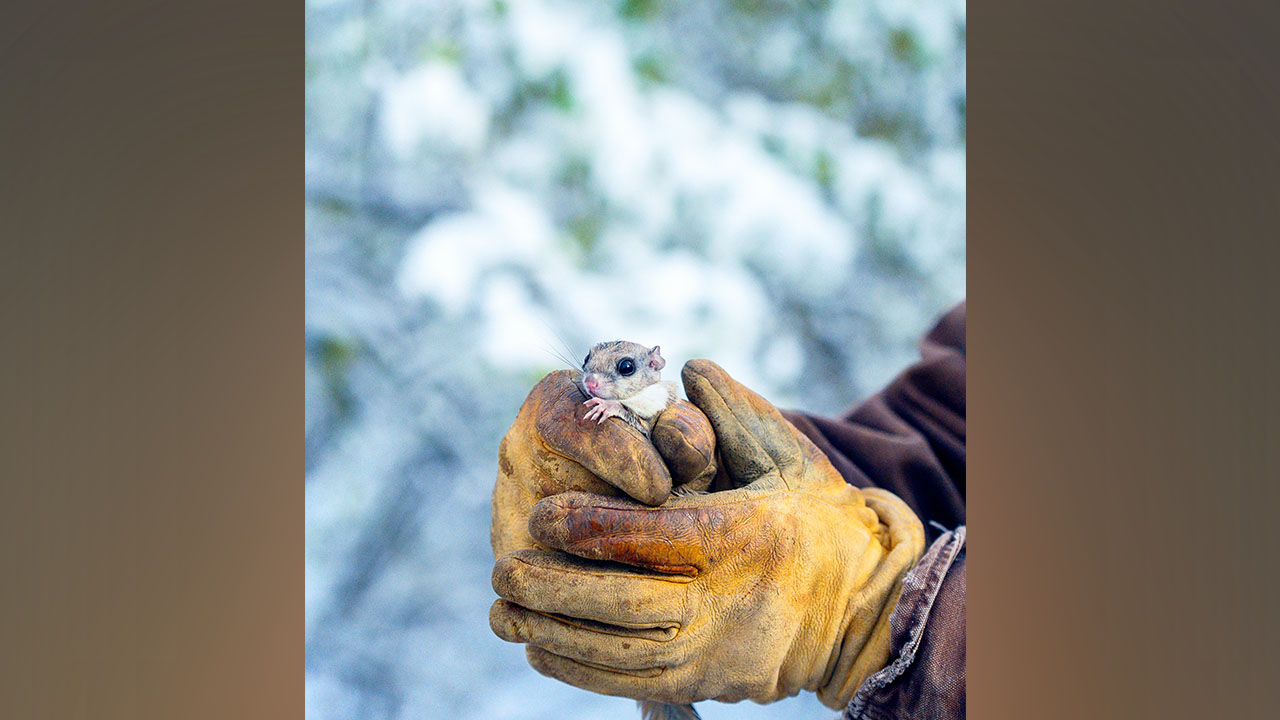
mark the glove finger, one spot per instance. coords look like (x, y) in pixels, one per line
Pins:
(567, 638)
(755, 441)
(622, 683)
(685, 536)
(613, 451)
(686, 441)
(644, 606)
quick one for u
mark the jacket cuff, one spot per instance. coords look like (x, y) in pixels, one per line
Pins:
(903, 688)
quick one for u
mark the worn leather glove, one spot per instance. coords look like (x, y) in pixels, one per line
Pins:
(784, 583)
(551, 448)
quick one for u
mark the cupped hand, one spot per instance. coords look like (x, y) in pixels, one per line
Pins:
(784, 583)
(551, 448)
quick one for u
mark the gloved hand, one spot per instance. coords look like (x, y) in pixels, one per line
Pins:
(550, 449)
(782, 584)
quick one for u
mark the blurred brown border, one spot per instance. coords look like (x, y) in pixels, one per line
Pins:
(152, 205)
(1124, 208)
(1124, 186)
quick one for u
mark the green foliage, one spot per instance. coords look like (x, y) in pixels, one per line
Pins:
(832, 92)
(576, 172)
(757, 8)
(651, 70)
(445, 51)
(892, 127)
(335, 357)
(906, 48)
(824, 170)
(639, 9)
(339, 206)
(555, 90)
(585, 229)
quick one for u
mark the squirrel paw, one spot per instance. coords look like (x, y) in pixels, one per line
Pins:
(602, 409)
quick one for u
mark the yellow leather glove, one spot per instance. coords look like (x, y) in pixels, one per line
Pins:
(782, 584)
(551, 448)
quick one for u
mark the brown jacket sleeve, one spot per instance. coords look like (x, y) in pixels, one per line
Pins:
(910, 440)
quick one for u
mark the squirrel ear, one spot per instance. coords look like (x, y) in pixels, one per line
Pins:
(655, 358)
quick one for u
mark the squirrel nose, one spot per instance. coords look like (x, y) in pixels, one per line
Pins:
(592, 383)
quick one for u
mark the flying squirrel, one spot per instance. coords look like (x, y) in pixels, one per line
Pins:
(624, 380)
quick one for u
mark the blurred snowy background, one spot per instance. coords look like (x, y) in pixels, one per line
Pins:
(776, 185)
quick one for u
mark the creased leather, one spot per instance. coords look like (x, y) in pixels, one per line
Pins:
(782, 582)
(550, 448)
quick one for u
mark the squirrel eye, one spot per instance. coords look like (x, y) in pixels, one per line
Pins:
(626, 367)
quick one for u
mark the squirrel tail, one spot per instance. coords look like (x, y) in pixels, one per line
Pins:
(650, 710)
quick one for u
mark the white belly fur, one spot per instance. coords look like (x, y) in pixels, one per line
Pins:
(652, 400)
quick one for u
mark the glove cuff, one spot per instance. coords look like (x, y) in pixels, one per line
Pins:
(864, 645)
